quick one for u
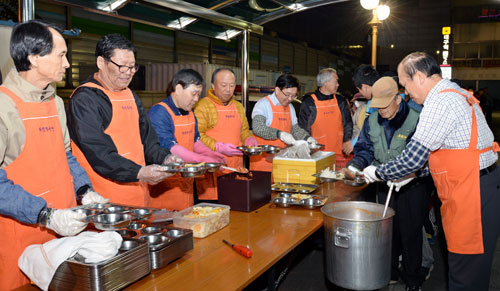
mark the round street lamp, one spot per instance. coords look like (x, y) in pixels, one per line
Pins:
(380, 12)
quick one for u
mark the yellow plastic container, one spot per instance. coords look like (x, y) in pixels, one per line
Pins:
(301, 170)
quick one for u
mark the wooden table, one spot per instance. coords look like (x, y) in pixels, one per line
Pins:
(271, 232)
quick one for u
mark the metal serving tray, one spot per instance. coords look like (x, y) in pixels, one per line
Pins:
(129, 265)
(309, 202)
(294, 187)
(357, 181)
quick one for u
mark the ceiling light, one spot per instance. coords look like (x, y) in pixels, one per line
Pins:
(112, 6)
(181, 23)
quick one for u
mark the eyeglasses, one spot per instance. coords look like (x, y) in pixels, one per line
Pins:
(288, 95)
(124, 69)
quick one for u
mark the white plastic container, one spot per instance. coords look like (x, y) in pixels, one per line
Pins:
(203, 225)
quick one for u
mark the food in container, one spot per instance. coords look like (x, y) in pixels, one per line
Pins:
(203, 219)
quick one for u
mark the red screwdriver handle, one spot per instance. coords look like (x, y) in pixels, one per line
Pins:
(244, 251)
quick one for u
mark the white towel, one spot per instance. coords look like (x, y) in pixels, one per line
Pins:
(40, 262)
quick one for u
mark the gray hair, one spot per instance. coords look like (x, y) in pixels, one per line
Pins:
(324, 76)
(420, 61)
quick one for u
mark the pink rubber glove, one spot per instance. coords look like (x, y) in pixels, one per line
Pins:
(251, 142)
(227, 149)
(189, 156)
(201, 148)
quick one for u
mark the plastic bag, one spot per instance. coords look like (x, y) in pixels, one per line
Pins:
(299, 150)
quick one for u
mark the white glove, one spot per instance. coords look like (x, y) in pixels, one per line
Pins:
(313, 143)
(66, 222)
(401, 182)
(286, 137)
(172, 159)
(91, 197)
(369, 173)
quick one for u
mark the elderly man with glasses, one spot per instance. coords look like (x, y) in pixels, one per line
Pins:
(274, 121)
(326, 116)
(113, 138)
(384, 136)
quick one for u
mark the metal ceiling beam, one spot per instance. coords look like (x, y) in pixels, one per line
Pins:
(304, 5)
(224, 4)
(205, 13)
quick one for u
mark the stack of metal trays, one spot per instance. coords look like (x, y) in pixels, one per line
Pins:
(129, 265)
(166, 243)
(294, 187)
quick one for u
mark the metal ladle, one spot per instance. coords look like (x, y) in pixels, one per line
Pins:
(388, 199)
(235, 170)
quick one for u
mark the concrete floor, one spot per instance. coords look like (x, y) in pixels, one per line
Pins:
(304, 268)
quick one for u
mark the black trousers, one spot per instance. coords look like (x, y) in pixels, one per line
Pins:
(472, 272)
(411, 204)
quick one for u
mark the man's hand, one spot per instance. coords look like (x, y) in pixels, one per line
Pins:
(286, 138)
(66, 222)
(227, 149)
(370, 176)
(347, 147)
(91, 197)
(313, 143)
(153, 174)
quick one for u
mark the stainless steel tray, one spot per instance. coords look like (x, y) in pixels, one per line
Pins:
(123, 269)
(180, 242)
(308, 201)
(294, 187)
(357, 181)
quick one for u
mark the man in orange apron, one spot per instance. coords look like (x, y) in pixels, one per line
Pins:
(176, 126)
(327, 117)
(223, 126)
(452, 134)
(274, 121)
(39, 176)
(112, 135)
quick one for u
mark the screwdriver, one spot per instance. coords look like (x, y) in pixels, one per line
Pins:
(244, 251)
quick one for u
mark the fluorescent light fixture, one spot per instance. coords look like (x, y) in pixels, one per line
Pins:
(181, 23)
(296, 7)
(228, 34)
(112, 5)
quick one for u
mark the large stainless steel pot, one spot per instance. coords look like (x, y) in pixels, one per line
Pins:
(358, 244)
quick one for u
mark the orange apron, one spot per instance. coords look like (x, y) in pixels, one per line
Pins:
(227, 130)
(282, 120)
(176, 193)
(456, 175)
(42, 170)
(124, 131)
(327, 129)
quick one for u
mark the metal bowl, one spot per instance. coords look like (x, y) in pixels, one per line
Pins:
(174, 233)
(128, 244)
(126, 233)
(111, 221)
(252, 151)
(152, 230)
(271, 149)
(212, 167)
(102, 205)
(172, 167)
(310, 203)
(192, 172)
(115, 209)
(86, 211)
(141, 213)
(284, 201)
(136, 226)
(155, 239)
(286, 195)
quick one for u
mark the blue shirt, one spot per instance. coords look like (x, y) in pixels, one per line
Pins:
(263, 107)
(164, 124)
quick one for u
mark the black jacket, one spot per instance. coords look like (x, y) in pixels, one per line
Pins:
(89, 113)
(307, 114)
